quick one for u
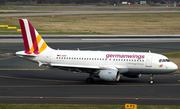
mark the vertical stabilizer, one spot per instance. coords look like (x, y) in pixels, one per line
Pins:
(33, 42)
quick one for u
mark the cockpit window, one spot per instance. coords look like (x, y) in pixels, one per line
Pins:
(160, 60)
(164, 60)
(167, 60)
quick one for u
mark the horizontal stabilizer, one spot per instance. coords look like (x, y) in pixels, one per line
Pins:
(32, 55)
(40, 63)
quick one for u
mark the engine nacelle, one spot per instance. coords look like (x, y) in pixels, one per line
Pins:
(109, 75)
(132, 75)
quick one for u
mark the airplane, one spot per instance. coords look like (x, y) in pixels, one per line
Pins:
(106, 65)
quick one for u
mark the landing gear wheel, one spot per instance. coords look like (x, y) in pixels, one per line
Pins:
(151, 79)
(89, 80)
(151, 82)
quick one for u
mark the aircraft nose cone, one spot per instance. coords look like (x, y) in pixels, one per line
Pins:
(174, 67)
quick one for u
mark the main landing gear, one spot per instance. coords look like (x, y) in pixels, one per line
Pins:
(151, 79)
(90, 79)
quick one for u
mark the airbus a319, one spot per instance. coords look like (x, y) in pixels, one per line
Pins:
(108, 66)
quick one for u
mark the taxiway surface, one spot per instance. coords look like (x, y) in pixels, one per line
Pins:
(83, 12)
(22, 81)
(95, 38)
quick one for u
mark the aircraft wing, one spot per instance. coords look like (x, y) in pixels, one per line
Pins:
(121, 68)
(76, 66)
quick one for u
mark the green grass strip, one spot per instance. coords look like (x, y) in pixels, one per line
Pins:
(172, 55)
(79, 106)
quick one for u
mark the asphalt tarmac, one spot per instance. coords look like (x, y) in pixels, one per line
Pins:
(22, 81)
(95, 38)
(83, 12)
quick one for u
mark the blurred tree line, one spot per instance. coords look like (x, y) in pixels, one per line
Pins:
(88, 1)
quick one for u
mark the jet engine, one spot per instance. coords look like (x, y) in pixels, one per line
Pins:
(132, 75)
(109, 75)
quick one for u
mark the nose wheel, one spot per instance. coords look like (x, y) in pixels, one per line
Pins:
(151, 79)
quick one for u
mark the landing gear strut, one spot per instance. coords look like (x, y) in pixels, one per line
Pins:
(151, 79)
(90, 79)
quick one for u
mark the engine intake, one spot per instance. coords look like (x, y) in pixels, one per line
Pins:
(109, 75)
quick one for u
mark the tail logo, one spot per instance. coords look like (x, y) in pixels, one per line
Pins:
(33, 42)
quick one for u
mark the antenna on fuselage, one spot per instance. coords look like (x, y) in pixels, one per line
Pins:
(149, 51)
(78, 49)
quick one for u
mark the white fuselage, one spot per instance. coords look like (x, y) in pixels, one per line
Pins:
(125, 62)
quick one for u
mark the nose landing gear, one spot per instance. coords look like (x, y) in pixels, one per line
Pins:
(151, 79)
